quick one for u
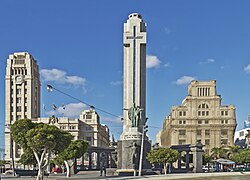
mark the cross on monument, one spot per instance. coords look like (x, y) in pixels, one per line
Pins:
(134, 38)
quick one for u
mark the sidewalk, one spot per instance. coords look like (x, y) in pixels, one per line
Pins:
(95, 175)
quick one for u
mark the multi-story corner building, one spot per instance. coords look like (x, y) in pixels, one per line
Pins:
(73, 126)
(88, 127)
(158, 138)
(93, 131)
(200, 117)
(22, 95)
(240, 138)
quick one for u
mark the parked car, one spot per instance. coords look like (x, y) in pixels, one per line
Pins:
(207, 168)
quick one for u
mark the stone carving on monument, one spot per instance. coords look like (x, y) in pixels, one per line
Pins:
(134, 114)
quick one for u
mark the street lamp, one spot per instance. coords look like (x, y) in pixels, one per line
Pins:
(144, 130)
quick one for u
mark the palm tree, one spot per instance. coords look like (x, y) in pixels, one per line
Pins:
(231, 150)
(219, 152)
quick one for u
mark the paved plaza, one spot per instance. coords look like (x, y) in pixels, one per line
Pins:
(95, 175)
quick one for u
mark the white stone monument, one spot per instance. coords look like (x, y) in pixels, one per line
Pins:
(134, 93)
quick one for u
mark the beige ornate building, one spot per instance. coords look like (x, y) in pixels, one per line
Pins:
(22, 94)
(88, 127)
(93, 131)
(200, 117)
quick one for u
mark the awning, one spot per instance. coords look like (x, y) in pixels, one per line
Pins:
(224, 161)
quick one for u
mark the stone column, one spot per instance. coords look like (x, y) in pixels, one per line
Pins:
(187, 159)
(197, 158)
(98, 160)
(90, 161)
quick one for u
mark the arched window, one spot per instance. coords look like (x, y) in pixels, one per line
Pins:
(203, 106)
(203, 110)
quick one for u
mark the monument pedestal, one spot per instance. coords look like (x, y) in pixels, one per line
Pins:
(125, 152)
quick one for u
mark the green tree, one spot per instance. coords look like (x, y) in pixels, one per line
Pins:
(163, 156)
(242, 157)
(75, 150)
(28, 157)
(231, 150)
(206, 158)
(219, 152)
(41, 139)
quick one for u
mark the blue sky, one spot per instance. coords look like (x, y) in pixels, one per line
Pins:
(78, 46)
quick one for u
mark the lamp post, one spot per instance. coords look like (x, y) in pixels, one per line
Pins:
(144, 130)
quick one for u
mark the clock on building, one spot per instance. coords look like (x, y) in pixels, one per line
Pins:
(19, 79)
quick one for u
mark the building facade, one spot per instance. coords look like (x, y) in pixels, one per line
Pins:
(240, 138)
(22, 95)
(201, 117)
(73, 126)
(87, 127)
(93, 131)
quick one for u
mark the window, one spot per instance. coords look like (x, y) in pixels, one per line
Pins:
(88, 139)
(184, 122)
(18, 100)
(222, 113)
(199, 113)
(207, 113)
(226, 121)
(182, 141)
(207, 141)
(199, 121)
(18, 91)
(207, 132)
(206, 121)
(203, 113)
(182, 132)
(88, 116)
(19, 61)
(224, 141)
(224, 132)
(180, 122)
(198, 132)
(226, 113)
(180, 113)
(241, 133)
(18, 117)
(184, 113)
(18, 108)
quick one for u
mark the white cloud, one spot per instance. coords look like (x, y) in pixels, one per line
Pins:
(116, 83)
(117, 120)
(166, 65)
(152, 62)
(58, 76)
(247, 68)
(209, 60)
(184, 80)
(71, 110)
(167, 30)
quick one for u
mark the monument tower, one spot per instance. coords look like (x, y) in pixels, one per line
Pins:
(134, 94)
(134, 90)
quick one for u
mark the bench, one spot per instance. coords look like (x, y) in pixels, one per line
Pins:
(22, 172)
